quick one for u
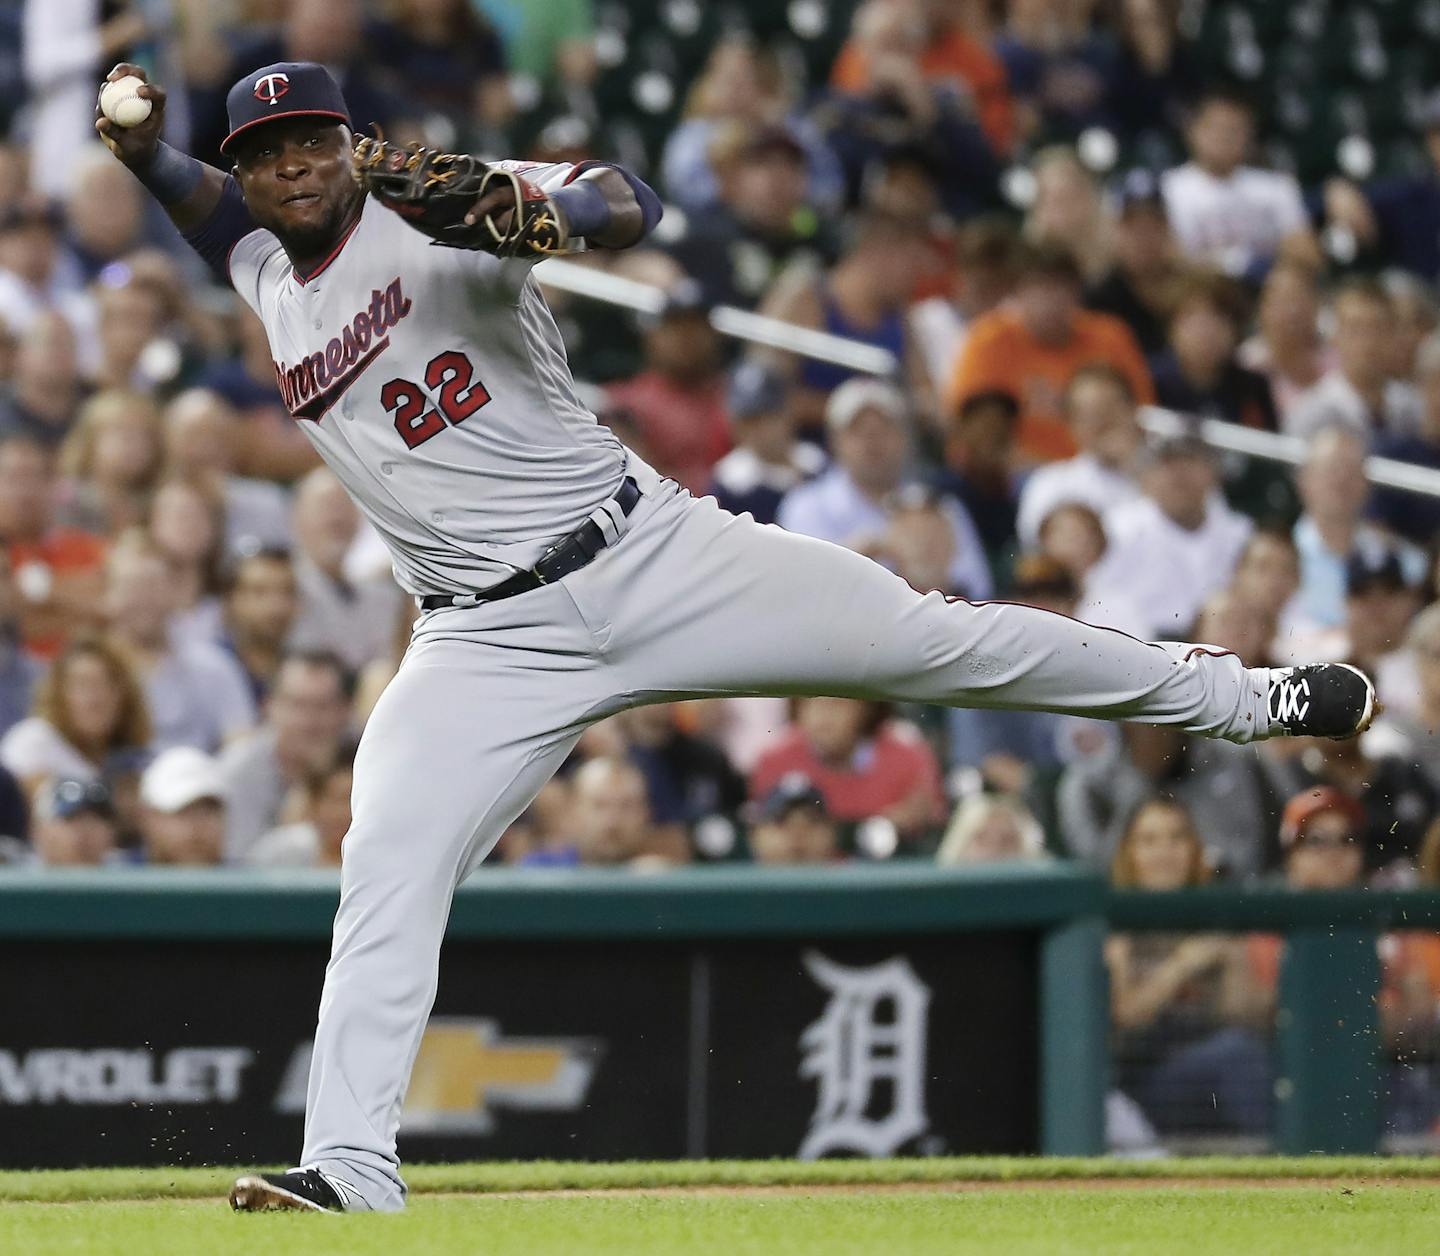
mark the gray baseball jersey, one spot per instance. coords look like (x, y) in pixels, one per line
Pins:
(433, 382)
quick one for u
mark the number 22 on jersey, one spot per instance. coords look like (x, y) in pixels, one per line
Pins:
(449, 375)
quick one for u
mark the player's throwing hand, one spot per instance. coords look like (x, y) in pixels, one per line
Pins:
(134, 145)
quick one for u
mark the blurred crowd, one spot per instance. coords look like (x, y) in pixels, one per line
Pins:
(1048, 215)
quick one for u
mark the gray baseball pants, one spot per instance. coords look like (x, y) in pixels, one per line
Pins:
(691, 602)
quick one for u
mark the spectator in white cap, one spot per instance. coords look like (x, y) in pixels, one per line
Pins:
(869, 425)
(182, 820)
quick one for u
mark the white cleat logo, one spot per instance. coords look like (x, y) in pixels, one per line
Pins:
(1291, 701)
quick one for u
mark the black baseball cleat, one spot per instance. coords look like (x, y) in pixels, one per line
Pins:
(304, 1190)
(1320, 700)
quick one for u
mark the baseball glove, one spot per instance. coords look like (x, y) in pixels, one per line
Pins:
(434, 192)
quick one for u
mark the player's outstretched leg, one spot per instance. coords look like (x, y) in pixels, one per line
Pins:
(486, 705)
(699, 601)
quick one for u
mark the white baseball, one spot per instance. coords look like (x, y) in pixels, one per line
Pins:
(120, 103)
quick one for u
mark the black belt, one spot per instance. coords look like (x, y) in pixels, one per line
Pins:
(567, 555)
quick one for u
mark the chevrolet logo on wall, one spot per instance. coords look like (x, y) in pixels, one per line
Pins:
(466, 1070)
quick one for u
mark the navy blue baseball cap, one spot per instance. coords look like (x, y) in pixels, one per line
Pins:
(287, 89)
(66, 798)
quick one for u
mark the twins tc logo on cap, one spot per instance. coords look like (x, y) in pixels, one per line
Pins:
(271, 87)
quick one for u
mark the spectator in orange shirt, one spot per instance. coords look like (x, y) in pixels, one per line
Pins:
(1032, 346)
(58, 571)
(950, 56)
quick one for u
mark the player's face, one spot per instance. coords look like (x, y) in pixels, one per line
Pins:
(295, 175)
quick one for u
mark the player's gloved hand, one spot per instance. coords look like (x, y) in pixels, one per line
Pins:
(134, 145)
(460, 201)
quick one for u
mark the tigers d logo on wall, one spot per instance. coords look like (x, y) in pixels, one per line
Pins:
(866, 1055)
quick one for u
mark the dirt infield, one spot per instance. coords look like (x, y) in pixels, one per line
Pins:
(1344, 1185)
(973, 1186)
(821, 1180)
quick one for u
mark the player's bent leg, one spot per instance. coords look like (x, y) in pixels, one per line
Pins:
(749, 608)
(458, 745)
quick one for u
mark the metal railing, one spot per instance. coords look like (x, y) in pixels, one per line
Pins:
(822, 346)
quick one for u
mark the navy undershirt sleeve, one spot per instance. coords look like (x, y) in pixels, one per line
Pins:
(228, 224)
(650, 207)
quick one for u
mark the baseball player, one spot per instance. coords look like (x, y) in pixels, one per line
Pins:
(561, 579)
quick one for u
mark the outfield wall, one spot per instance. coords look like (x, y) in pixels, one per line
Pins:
(150, 1016)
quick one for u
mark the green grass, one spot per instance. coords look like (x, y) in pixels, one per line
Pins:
(1197, 1220)
(1059, 1208)
(483, 1178)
